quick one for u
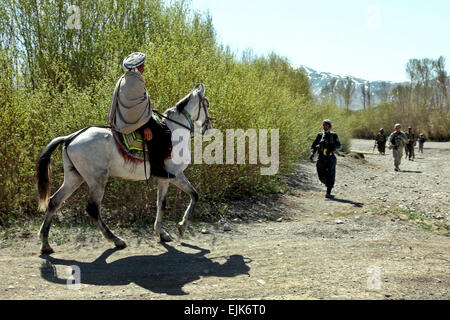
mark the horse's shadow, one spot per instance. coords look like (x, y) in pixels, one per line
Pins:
(355, 204)
(165, 273)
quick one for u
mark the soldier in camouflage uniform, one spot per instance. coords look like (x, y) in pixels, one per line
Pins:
(411, 144)
(397, 141)
(381, 140)
(326, 143)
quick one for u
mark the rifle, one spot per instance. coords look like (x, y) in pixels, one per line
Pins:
(322, 145)
(376, 142)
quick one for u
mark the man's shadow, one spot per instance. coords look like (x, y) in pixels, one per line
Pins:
(355, 204)
(165, 273)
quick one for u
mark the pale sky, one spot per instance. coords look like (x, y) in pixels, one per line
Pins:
(372, 40)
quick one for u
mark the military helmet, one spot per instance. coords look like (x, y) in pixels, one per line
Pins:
(134, 60)
(328, 121)
(398, 125)
(382, 129)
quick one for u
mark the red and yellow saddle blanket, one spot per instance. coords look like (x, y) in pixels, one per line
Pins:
(131, 145)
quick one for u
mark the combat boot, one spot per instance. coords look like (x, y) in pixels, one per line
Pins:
(329, 196)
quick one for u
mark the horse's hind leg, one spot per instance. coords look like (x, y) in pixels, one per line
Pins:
(72, 181)
(97, 190)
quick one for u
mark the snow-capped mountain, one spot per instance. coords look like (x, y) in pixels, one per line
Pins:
(324, 84)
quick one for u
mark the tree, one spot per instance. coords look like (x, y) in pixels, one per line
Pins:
(420, 73)
(50, 47)
(369, 94)
(329, 91)
(346, 90)
(402, 96)
(429, 83)
(442, 81)
(385, 91)
(364, 94)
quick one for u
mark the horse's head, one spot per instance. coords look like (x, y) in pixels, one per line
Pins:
(196, 107)
(204, 120)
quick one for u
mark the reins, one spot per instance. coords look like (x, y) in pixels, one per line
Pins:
(188, 117)
(186, 114)
(174, 121)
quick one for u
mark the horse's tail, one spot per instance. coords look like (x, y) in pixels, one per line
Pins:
(43, 172)
(43, 167)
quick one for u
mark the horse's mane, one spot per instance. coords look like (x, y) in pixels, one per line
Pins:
(183, 103)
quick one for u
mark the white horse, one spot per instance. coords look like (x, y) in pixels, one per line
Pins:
(91, 155)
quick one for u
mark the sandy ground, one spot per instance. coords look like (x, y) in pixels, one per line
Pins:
(386, 236)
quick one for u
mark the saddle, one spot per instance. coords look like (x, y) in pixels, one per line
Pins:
(134, 141)
(131, 145)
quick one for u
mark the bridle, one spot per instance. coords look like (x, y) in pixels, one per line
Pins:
(203, 104)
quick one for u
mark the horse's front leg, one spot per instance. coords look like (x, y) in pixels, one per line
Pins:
(163, 187)
(183, 183)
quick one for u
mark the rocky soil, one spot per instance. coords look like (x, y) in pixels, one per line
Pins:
(385, 236)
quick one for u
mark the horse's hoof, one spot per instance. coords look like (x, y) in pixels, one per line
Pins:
(120, 244)
(165, 238)
(47, 251)
(181, 229)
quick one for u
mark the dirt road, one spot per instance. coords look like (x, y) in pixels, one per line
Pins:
(386, 236)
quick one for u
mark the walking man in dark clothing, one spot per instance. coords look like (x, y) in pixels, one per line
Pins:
(326, 143)
(422, 141)
(411, 144)
(381, 140)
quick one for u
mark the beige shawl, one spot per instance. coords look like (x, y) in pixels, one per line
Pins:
(130, 107)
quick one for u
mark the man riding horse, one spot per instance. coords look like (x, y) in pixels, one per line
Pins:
(131, 111)
(92, 155)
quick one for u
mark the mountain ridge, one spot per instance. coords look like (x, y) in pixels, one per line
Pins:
(321, 83)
